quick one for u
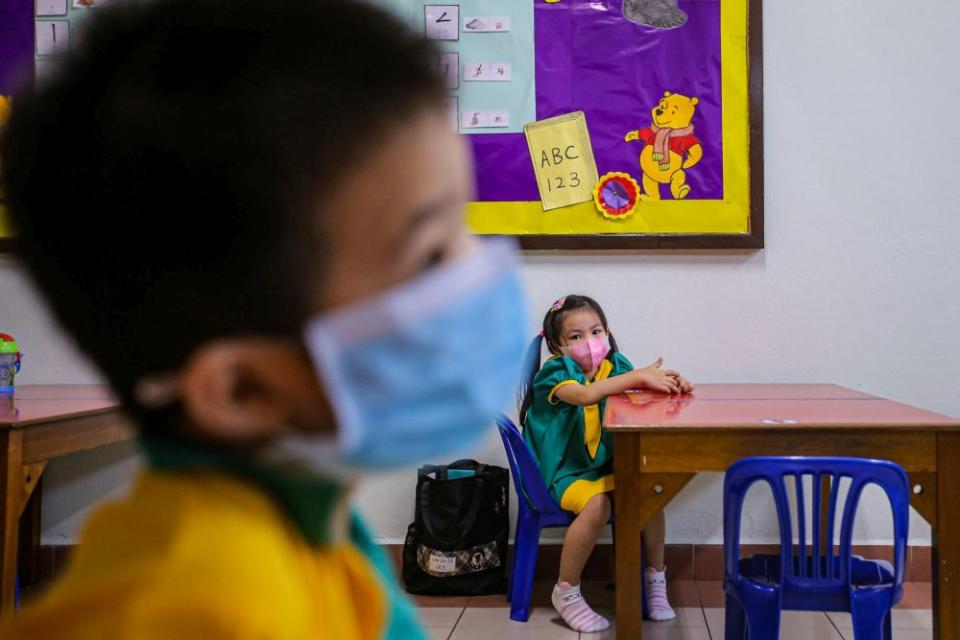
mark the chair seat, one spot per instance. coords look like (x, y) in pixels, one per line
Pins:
(764, 570)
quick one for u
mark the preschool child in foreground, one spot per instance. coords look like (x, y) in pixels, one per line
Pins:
(561, 414)
(250, 215)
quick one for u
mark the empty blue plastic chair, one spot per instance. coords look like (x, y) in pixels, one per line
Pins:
(536, 511)
(810, 575)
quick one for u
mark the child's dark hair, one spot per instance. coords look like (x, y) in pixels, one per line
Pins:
(166, 185)
(552, 334)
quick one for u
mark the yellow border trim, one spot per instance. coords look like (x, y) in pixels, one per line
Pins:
(5, 230)
(556, 388)
(728, 216)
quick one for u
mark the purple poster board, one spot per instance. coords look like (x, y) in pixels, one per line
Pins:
(628, 68)
(16, 44)
(603, 58)
(16, 68)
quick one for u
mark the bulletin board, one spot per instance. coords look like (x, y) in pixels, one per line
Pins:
(34, 37)
(606, 123)
(559, 102)
(16, 58)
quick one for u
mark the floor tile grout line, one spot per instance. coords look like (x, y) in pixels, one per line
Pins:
(834, 625)
(696, 588)
(703, 612)
(462, 611)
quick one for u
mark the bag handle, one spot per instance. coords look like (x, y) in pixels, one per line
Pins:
(471, 514)
(480, 467)
(441, 469)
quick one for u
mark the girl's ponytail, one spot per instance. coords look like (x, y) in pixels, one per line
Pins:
(531, 364)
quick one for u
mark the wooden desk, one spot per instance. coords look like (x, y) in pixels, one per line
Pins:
(37, 424)
(660, 442)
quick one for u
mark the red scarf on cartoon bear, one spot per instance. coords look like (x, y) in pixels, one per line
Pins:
(661, 144)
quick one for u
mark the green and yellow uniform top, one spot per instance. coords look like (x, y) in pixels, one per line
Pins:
(210, 546)
(575, 455)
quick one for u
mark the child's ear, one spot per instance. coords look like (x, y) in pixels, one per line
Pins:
(251, 389)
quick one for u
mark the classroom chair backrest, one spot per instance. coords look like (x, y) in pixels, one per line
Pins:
(526, 473)
(821, 566)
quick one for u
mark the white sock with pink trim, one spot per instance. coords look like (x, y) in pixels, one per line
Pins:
(657, 604)
(570, 604)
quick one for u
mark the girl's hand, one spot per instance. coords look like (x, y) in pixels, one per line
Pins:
(664, 380)
(656, 380)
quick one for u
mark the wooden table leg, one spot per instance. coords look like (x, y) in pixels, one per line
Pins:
(11, 489)
(31, 524)
(627, 509)
(946, 540)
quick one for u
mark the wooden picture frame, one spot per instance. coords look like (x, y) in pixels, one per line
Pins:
(750, 208)
(751, 239)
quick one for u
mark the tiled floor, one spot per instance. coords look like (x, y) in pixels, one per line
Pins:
(699, 617)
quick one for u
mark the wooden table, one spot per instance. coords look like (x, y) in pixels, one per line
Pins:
(39, 423)
(660, 442)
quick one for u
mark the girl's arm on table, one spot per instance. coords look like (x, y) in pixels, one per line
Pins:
(652, 377)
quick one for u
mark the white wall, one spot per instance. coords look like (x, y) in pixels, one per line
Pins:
(858, 284)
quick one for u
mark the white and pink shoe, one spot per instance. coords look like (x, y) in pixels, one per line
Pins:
(573, 608)
(658, 607)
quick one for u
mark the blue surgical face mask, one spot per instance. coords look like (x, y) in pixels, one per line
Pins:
(419, 372)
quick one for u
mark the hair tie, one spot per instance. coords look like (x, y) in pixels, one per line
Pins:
(556, 306)
(541, 333)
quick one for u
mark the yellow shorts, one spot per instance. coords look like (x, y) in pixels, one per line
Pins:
(578, 494)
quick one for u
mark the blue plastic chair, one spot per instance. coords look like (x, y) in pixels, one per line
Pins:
(536, 510)
(810, 575)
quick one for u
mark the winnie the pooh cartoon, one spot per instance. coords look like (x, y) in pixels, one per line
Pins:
(668, 139)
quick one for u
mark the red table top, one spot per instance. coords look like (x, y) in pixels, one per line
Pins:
(44, 403)
(766, 406)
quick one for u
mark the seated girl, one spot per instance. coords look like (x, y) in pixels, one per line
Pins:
(561, 416)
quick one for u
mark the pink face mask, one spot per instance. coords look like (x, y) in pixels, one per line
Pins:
(588, 353)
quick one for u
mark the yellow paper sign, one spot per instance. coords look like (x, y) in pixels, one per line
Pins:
(562, 160)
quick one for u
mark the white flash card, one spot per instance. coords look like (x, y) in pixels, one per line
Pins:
(486, 24)
(51, 7)
(53, 37)
(485, 119)
(487, 72)
(442, 21)
(450, 68)
(453, 112)
(498, 118)
(43, 69)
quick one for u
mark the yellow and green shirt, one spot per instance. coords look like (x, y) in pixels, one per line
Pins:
(567, 440)
(208, 546)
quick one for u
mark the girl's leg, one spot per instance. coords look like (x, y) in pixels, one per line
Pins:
(656, 579)
(581, 538)
(654, 537)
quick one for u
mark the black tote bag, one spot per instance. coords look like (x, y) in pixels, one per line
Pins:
(457, 544)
